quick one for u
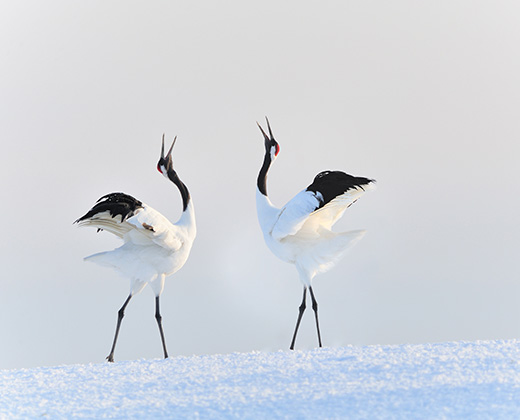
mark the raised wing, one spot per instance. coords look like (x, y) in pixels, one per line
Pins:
(151, 226)
(330, 213)
(321, 204)
(110, 213)
(132, 221)
(294, 214)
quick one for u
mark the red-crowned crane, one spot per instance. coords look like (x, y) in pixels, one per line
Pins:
(153, 246)
(300, 232)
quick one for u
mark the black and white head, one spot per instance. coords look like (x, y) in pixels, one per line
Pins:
(272, 148)
(165, 167)
(165, 164)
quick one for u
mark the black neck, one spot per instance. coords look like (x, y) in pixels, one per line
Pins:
(262, 176)
(185, 194)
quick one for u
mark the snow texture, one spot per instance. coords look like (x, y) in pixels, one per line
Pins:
(461, 380)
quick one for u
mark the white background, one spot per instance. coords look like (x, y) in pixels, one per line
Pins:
(423, 97)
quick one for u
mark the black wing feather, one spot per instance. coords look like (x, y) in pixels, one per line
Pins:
(331, 184)
(116, 204)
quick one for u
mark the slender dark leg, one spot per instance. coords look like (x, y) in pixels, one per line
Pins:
(158, 318)
(120, 315)
(300, 314)
(315, 309)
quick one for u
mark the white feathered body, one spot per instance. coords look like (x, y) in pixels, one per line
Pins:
(301, 233)
(153, 246)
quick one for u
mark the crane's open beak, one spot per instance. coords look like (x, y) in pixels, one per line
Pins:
(165, 161)
(263, 132)
(168, 155)
(266, 137)
(269, 127)
(269, 141)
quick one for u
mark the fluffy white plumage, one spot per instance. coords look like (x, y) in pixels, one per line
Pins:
(300, 232)
(153, 247)
(300, 235)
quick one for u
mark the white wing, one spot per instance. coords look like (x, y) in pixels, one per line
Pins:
(146, 227)
(330, 213)
(150, 225)
(105, 221)
(294, 214)
(303, 213)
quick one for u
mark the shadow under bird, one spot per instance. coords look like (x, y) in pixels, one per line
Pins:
(300, 232)
(153, 246)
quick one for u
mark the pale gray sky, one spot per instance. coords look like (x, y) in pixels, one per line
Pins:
(423, 97)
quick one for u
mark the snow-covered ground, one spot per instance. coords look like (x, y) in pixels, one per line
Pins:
(466, 380)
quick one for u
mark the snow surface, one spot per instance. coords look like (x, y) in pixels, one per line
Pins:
(432, 381)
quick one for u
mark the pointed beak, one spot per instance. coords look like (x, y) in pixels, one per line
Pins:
(268, 139)
(169, 154)
(165, 162)
(263, 132)
(269, 127)
(162, 148)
